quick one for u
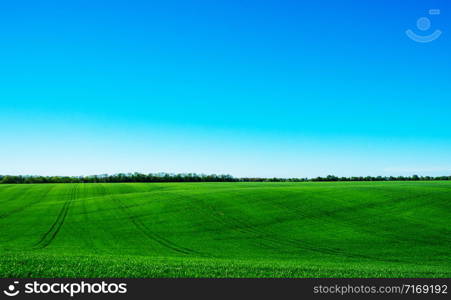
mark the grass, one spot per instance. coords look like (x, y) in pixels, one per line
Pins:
(344, 229)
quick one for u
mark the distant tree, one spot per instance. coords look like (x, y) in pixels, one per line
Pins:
(192, 177)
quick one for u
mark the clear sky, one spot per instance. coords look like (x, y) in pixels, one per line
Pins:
(247, 88)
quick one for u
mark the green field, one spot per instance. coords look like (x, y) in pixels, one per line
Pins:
(343, 229)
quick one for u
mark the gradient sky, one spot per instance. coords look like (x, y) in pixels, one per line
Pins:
(248, 88)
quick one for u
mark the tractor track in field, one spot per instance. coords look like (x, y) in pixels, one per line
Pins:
(48, 237)
(351, 221)
(304, 245)
(28, 205)
(270, 239)
(153, 236)
(265, 238)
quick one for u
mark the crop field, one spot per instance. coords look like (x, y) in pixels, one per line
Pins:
(342, 229)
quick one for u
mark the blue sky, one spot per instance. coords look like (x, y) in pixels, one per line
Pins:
(248, 88)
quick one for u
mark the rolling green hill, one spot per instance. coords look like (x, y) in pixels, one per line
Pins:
(345, 229)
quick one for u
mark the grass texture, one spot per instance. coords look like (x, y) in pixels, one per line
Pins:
(227, 230)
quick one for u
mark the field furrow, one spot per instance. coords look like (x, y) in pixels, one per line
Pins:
(55, 228)
(344, 229)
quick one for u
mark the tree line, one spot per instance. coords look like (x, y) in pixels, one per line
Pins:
(192, 177)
